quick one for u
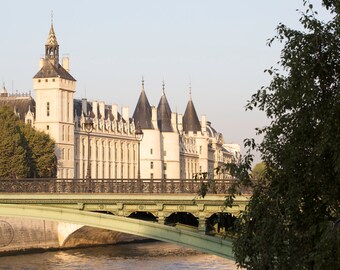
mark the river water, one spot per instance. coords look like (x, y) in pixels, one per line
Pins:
(136, 256)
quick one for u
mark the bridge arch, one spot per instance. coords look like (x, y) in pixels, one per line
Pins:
(82, 235)
(219, 247)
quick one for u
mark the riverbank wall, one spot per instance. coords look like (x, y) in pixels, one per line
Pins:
(25, 235)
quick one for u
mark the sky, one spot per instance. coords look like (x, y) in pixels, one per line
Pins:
(217, 46)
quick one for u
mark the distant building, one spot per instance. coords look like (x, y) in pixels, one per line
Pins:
(174, 146)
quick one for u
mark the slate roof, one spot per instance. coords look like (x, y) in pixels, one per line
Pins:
(143, 113)
(190, 119)
(211, 131)
(20, 103)
(82, 107)
(164, 115)
(51, 71)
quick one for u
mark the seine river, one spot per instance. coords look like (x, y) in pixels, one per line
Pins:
(141, 256)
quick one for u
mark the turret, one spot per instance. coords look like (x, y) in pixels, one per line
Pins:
(143, 112)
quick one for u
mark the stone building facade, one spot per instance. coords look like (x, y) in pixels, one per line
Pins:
(174, 146)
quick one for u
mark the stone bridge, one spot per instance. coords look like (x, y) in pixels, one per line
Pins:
(165, 210)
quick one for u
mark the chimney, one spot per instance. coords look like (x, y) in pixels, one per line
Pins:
(204, 123)
(41, 62)
(125, 113)
(84, 106)
(115, 111)
(154, 117)
(66, 63)
(180, 122)
(102, 109)
(95, 108)
(174, 121)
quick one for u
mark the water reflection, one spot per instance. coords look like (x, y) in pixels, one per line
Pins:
(141, 256)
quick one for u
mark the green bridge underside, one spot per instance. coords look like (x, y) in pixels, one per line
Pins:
(110, 212)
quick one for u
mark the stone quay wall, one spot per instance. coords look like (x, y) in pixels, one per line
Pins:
(28, 235)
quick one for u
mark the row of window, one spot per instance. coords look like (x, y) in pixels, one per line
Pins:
(152, 166)
(189, 167)
(65, 154)
(46, 80)
(105, 170)
(105, 150)
(65, 133)
(62, 80)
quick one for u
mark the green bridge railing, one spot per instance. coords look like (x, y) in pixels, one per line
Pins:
(53, 185)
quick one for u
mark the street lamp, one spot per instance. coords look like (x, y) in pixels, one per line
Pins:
(139, 136)
(88, 125)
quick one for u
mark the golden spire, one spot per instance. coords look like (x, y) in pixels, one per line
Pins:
(52, 39)
(163, 85)
(142, 83)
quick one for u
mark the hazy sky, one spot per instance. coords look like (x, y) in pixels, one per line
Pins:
(220, 46)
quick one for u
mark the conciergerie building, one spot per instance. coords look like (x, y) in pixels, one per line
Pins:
(173, 146)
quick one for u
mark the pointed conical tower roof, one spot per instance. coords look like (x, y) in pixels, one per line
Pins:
(52, 39)
(143, 113)
(190, 119)
(164, 114)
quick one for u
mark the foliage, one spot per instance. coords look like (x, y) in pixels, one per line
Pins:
(258, 172)
(292, 220)
(13, 148)
(25, 152)
(41, 152)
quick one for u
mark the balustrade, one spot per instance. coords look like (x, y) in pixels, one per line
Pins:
(110, 186)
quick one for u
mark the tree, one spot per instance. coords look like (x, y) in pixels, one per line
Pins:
(25, 152)
(41, 152)
(258, 171)
(293, 217)
(13, 148)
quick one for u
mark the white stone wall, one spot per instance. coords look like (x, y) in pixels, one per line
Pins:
(151, 164)
(54, 115)
(171, 155)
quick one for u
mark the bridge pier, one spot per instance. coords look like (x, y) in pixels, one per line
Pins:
(202, 224)
(161, 220)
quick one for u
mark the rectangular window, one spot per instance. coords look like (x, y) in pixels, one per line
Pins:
(68, 110)
(164, 153)
(103, 151)
(48, 127)
(76, 147)
(110, 153)
(164, 176)
(151, 165)
(83, 150)
(151, 175)
(164, 166)
(76, 170)
(48, 109)
(116, 150)
(151, 151)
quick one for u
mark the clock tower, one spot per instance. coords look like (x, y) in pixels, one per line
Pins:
(54, 89)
